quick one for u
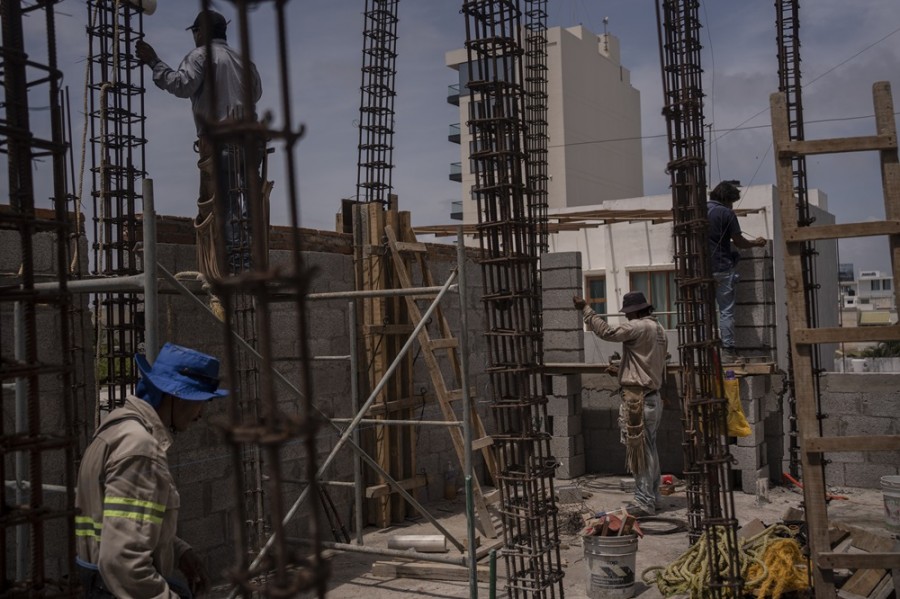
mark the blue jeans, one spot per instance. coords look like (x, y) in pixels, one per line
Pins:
(646, 484)
(726, 282)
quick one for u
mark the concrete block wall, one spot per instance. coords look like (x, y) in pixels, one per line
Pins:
(860, 404)
(563, 342)
(51, 392)
(755, 323)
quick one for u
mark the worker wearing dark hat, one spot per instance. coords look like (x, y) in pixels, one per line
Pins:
(723, 231)
(189, 80)
(126, 500)
(641, 374)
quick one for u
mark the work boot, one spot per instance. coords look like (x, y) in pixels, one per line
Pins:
(730, 356)
(639, 510)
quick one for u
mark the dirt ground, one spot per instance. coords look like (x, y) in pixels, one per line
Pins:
(352, 572)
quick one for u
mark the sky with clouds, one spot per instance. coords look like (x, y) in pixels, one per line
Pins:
(846, 46)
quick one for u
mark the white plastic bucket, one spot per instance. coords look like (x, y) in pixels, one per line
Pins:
(610, 566)
(890, 490)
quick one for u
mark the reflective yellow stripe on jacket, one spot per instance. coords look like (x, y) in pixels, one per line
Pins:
(135, 509)
(87, 527)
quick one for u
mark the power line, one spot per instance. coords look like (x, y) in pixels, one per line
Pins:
(729, 130)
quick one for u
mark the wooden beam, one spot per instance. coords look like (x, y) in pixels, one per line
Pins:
(861, 443)
(428, 571)
(419, 480)
(864, 143)
(842, 231)
(803, 336)
(854, 561)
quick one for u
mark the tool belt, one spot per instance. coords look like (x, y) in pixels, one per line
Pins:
(95, 588)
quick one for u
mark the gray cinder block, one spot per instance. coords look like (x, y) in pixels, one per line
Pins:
(570, 467)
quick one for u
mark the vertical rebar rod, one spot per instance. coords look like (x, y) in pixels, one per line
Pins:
(467, 407)
(787, 20)
(376, 110)
(707, 461)
(509, 226)
(42, 371)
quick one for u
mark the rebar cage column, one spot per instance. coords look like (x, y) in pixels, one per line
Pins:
(116, 84)
(42, 433)
(704, 409)
(510, 252)
(282, 420)
(376, 110)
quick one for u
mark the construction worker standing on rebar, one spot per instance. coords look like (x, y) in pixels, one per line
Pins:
(641, 374)
(723, 231)
(126, 498)
(190, 80)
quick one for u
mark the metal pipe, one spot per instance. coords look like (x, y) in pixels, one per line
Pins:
(21, 426)
(98, 285)
(354, 402)
(408, 554)
(467, 407)
(403, 422)
(151, 286)
(25, 485)
(492, 576)
(423, 291)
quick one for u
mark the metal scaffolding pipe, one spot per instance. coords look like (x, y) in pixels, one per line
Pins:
(467, 403)
(151, 286)
(354, 404)
(408, 554)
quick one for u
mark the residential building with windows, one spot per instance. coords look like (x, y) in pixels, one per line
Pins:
(868, 300)
(638, 256)
(593, 116)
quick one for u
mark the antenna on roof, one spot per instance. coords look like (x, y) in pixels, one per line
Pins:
(605, 35)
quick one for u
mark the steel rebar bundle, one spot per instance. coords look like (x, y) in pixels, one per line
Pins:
(537, 127)
(376, 110)
(787, 20)
(42, 432)
(510, 253)
(285, 572)
(116, 82)
(704, 409)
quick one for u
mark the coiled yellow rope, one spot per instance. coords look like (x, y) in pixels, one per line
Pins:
(770, 565)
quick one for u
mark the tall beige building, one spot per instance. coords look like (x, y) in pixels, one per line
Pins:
(594, 121)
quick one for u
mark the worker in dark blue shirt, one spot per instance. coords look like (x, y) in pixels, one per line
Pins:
(723, 231)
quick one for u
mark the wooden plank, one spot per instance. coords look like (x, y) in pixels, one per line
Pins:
(481, 443)
(428, 571)
(456, 394)
(842, 231)
(845, 334)
(854, 443)
(890, 170)
(420, 480)
(838, 145)
(401, 404)
(804, 385)
(862, 582)
(411, 246)
(451, 343)
(854, 561)
(434, 370)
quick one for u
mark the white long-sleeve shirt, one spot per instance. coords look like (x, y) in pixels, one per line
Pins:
(188, 82)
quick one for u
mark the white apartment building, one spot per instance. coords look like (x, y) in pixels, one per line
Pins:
(594, 123)
(631, 256)
(868, 299)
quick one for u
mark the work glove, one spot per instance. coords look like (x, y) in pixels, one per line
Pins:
(145, 53)
(578, 302)
(194, 572)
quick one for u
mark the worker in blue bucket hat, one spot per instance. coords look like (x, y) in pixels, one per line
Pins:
(126, 501)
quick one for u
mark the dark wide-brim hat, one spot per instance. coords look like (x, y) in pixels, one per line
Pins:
(182, 372)
(634, 301)
(217, 22)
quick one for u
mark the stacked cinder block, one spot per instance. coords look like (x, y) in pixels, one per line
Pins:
(751, 452)
(860, 404)
(754, 311)
(563, 342)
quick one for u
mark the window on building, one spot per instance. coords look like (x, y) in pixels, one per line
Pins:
(595, 293)
(876, 285)
(660, 290)
(886, 285)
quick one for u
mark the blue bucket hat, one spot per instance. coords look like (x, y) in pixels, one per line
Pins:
(181, 372)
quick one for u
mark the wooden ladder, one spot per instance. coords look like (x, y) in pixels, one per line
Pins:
(430, 348)
(813, 446)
